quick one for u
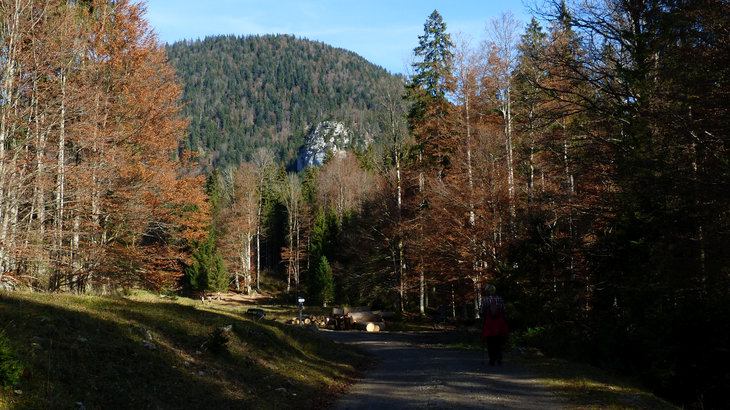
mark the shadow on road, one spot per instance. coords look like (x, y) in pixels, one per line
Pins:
(410, 371)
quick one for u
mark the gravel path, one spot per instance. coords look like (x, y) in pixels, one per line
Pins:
(411, 372)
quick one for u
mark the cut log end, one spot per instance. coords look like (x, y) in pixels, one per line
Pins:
(370, 326)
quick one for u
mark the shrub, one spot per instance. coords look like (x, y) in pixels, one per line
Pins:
(217, 341)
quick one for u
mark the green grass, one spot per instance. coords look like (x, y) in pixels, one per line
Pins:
(144, 351)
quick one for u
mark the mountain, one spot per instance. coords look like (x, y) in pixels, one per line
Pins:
(241, 93)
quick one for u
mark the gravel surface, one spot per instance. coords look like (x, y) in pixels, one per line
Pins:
(412, 372)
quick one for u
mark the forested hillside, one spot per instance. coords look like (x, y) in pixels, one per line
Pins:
(246, 92)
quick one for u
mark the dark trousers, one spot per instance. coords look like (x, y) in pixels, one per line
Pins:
(494, 349)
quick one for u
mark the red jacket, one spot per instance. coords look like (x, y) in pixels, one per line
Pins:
(494, 325)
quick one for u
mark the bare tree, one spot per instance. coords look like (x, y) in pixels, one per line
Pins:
(263, 160)
(240, 224)
(395, 145)
(290, 192)
(468, 72)
(504, 38)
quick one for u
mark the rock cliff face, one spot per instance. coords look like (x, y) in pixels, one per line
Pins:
(328, 136)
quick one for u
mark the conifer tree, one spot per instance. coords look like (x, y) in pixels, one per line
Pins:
(322, 287)
(317, 238)
(431, 82)
(208, 271)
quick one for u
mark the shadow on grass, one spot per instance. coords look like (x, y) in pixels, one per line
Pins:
(584, 386)
(117, 353)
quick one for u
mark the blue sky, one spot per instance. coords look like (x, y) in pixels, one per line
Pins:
(384, 32)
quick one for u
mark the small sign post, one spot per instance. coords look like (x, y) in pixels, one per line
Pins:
(301, 305)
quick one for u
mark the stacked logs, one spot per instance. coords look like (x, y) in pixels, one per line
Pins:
(319, 321)
(360, 318)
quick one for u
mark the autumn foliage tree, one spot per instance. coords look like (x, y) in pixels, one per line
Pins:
(94, 191)
(427, 92)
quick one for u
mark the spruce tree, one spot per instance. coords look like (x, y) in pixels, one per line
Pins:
(429, 86)
(435, 51)
(322, 288)
(208, 271)
(317, 236)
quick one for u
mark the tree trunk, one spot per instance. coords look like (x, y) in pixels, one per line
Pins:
(258, 252)
(36, 224)
(247, 267)
(60, 184)
(11, 32)
(422, 291)
(236, 277)
(469, 172)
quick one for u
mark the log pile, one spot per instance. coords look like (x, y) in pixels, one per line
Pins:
(360, 318)
(319, 321)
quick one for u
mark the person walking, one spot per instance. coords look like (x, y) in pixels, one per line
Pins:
(494, 324)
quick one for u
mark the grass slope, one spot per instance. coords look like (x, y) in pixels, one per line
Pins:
(145, 352)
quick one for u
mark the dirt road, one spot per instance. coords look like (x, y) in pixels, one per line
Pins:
(412, 372)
